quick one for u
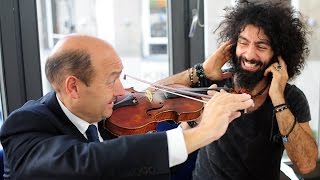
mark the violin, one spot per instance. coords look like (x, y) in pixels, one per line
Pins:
(140, 112)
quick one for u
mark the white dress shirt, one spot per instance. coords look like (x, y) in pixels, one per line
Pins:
(176, 144)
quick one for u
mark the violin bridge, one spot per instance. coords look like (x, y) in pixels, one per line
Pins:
(149, 95)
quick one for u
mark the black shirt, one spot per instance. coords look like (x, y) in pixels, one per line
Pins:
(249, 149)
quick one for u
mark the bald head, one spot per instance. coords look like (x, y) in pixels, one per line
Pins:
(73, 55)
(78, 42)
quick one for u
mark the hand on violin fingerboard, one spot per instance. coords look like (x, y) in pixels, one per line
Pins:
(210, 92)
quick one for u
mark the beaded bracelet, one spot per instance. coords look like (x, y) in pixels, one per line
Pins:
(191, 75)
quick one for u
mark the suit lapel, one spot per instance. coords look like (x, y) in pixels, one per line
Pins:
(61, 120)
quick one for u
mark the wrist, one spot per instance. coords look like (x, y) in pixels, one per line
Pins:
(208, 70)
(197, 137)
(278, 100)
(205, 67)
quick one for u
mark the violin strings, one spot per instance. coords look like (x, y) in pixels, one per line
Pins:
(185, 96)
(170, 90)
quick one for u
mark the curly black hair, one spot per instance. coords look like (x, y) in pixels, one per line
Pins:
(282, 24)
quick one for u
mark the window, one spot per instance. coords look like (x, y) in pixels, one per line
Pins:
(137, 31)
(309, 81)
(154, 16)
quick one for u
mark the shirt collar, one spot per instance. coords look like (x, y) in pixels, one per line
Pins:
(81, 124)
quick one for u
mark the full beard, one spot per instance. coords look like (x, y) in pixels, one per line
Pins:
(248, 79)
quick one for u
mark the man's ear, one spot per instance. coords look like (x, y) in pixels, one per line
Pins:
(72, 87)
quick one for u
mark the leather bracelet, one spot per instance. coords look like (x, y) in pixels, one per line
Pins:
(285, 137)
(280, 107)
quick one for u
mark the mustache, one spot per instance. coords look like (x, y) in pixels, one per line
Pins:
(247, 79)
(252, 61)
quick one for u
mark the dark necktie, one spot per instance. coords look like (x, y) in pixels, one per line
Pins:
(92, 133)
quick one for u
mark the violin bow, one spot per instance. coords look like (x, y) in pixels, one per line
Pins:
(202, 89)
(171, 90)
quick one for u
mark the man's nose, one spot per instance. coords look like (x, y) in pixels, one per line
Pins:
(118, 89)
(251, 53)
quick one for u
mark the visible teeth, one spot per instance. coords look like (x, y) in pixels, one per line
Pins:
(247, 64)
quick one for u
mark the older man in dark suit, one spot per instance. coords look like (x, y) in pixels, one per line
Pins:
(48, 138)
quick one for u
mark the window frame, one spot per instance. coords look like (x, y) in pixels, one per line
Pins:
(20, 56)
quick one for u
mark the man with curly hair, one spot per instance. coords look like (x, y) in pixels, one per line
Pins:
(267, 46)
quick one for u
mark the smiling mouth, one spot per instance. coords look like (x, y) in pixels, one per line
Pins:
(252, 65)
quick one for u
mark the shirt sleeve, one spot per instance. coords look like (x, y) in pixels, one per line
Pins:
(176, 147)
(298, 103)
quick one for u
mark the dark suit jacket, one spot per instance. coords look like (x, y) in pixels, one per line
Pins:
(40, 142)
